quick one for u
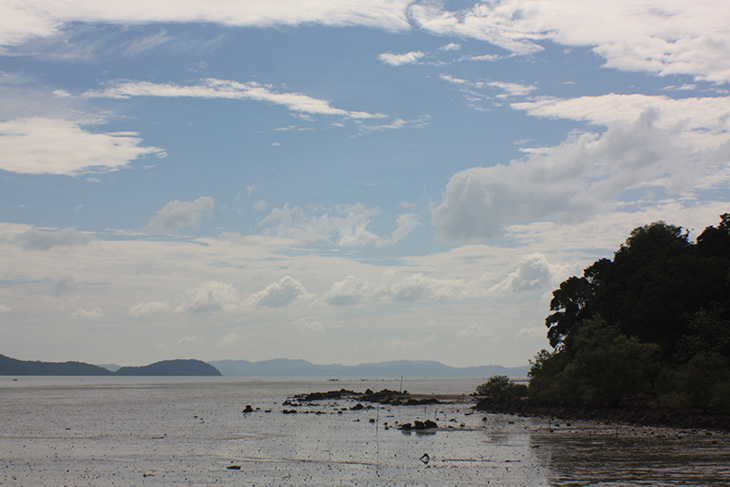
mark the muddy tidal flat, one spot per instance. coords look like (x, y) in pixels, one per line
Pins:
(191, 431)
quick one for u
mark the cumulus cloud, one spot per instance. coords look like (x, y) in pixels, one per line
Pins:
(572, 182)
(469, 332)
(279, 294)
(401, 59)
(177, 214)
(343, 225)
(704, 122)
(65, 147)
(149, 308)
(34, 239)
(216, 88)
(533, 272)
(419, 287)
(346, 292)
(209, 296)
(81, 313)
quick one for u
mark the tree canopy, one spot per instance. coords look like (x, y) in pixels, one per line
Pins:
(642, 325)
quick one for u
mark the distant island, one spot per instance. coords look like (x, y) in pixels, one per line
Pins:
(266, 368)
(11, 366)
(409, 368)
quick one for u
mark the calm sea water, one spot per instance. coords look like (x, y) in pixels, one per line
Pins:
(126, 431)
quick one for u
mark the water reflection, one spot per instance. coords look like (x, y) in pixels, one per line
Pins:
(595, 454)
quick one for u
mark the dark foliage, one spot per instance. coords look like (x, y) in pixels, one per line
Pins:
(11, 366)
(650, 326)
(172, 367)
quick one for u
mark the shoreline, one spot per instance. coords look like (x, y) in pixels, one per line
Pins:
(684, 419)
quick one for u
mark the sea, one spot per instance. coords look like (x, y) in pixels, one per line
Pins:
(153, 431)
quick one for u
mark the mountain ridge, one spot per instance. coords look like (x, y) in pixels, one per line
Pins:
(396, 368)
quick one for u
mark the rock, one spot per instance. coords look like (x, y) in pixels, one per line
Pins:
(233, 467)
(248, 409)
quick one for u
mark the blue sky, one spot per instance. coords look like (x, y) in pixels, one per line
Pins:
(339, 181)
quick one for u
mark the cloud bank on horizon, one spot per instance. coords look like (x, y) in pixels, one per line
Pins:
(348, 181)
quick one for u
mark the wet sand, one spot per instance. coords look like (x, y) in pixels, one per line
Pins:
(181, 433)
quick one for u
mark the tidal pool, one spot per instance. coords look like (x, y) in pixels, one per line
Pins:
(192, 431)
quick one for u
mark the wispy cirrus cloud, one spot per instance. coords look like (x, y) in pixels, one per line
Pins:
(233, 90)
(43, 18)
(659, 37)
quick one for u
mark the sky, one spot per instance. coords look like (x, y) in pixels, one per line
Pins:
(340, 181)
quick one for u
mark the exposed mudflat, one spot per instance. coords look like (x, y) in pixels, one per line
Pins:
(177, 432)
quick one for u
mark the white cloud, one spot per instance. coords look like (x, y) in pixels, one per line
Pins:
(189, 339)
(56, 146)
(657, 36)
(346, 292)
(662, 37)
(313, 326)
(534, 272)
(401, 59)
(209, 296)
(494, 22)
(260, 205)
(216, 88)
(177, 214)
(418, 287)
(586, 174)
(343, 225)
(469, 332)
(4, 308)
(229, 339)
(470, 88)
(531, 333)
(81, 313)
(22, 21)
(47, 239)
(279, 294)
(396, 124)
(702, 122)
(149, 308)
(451, 46)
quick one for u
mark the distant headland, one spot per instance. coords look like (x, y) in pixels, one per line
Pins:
(11, 366)
(266, 368)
